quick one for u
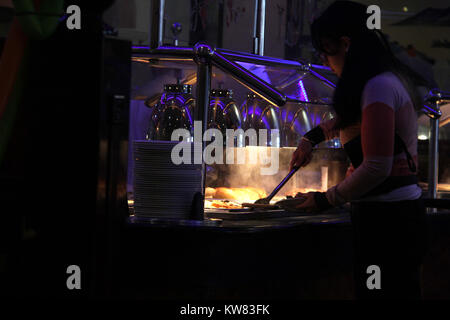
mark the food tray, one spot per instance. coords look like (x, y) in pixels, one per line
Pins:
(248, 214)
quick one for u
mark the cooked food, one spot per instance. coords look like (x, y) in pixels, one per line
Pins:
(243, 194)
(239, 194)
(261, 192)
(233, 198)
(209, 192)
(224, 193)
(222, 204)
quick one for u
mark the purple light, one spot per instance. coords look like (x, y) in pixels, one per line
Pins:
(169, 96)
(218, 102)
(163, 97)
(255, 111)
(266, 123)
(180, 49)
(189, 114)
(248, 74)
(318, 66)
(316, 119)
(139, 47)
(290, 117)
(303, 94)
(64, 17)
(331, 84)
(180, 99)
(265, 59)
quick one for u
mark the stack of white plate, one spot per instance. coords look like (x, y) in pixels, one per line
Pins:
(163, 189)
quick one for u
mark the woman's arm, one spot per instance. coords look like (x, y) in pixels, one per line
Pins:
(329, 129)
(302, 155)
(377, 139)
(323, 132)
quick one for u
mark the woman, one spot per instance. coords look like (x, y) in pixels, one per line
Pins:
(375, 101)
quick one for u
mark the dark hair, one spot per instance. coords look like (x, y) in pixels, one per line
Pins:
(369, 54)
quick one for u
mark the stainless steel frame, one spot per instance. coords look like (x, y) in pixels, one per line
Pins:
(202, 58)
(259, 26)
(431, 108)
(157, 24)
(224, 59)
(206, 57)
(203, 52)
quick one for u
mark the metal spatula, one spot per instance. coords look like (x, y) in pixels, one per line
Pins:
(275, 191)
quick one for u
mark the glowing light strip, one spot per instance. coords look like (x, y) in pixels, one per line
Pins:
(303, 91)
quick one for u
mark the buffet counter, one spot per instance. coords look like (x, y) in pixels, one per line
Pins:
(303, 256)
(280, 220)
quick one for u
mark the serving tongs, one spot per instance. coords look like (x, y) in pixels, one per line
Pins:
(265, 202)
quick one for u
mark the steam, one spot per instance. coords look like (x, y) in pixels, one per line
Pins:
(313, 176)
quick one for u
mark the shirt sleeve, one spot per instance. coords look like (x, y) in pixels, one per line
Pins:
(377, 139)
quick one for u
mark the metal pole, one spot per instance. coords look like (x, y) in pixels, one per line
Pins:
(259, 26)
(431, 109)
(433, 158)
(220, 20)
(157, 24)
(255, 28)
(203, 85)
(203, 59)
(262, 25)
(161, 22)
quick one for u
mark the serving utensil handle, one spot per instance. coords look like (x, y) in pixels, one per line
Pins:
(283, 182)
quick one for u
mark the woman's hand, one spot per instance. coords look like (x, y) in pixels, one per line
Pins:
(313, 201)
(302, 155)
(309, 205)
